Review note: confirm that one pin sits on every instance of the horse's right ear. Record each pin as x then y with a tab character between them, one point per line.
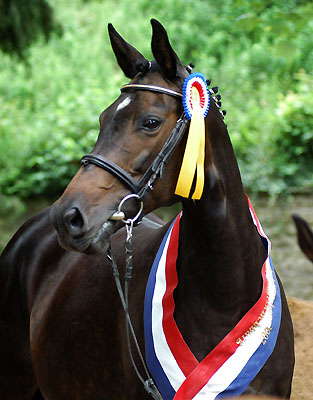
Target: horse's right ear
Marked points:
127	56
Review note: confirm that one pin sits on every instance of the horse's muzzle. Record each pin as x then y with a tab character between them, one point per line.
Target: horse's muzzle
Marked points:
74	233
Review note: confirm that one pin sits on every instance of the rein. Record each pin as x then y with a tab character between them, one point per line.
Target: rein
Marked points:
148	384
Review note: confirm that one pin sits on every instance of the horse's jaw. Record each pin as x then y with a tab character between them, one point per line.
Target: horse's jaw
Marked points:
101	241
98	244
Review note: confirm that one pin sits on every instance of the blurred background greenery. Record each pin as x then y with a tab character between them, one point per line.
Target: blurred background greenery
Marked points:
259	53
58	72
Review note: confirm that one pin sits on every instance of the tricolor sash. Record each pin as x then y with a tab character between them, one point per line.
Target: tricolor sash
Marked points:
230	367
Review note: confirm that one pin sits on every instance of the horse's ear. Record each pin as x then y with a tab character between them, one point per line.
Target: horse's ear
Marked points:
163	51
305	236
128	58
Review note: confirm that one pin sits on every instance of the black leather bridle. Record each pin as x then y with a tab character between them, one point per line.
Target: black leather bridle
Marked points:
138	190
145	184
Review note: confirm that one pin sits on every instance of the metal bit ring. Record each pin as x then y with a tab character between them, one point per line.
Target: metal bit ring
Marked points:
119	214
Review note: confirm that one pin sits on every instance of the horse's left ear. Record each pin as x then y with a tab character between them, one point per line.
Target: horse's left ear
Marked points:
128	58
163	51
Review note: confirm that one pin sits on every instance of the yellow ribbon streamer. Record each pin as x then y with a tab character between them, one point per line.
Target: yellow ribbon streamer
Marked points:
193	160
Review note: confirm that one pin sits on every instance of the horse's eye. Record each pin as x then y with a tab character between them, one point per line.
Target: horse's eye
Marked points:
151	124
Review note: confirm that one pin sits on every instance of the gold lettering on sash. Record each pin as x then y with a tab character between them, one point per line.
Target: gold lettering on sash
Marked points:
265	334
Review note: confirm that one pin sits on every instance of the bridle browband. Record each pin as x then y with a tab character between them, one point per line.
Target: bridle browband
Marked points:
152	88
145	184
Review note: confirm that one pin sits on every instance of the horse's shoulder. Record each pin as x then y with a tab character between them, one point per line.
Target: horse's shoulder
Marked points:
13	264
30	249
36	227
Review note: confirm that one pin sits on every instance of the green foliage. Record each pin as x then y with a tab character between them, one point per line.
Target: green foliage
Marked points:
21	22
296	121
258	52
294	137
281	161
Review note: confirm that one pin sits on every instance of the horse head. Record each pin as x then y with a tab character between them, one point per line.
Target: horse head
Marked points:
134	130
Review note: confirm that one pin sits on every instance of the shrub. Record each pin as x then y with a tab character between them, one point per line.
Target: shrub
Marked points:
294	133
49	108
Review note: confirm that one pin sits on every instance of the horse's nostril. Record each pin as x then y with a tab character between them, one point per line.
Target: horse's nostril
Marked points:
74	222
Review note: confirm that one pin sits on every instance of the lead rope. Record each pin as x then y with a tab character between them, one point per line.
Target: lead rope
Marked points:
148	384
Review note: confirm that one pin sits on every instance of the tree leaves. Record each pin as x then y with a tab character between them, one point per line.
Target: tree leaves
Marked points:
22	22
286	49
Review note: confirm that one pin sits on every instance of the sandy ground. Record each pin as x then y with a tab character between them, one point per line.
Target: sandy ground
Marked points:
302	317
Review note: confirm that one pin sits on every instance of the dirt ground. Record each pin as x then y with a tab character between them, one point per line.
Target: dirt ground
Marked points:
302	317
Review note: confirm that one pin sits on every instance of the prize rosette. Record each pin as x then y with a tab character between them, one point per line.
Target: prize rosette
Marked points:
195	89
196	102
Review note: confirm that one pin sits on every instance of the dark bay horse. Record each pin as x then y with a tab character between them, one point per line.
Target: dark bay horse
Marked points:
62	326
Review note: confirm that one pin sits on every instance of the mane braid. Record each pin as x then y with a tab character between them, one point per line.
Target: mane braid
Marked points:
216	97
143	65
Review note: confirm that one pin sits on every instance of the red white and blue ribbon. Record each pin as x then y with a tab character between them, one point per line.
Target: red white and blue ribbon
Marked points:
230	367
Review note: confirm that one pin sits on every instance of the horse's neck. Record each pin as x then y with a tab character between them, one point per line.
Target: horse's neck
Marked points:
220	251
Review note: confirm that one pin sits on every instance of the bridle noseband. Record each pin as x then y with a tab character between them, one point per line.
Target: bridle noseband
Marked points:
145	184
